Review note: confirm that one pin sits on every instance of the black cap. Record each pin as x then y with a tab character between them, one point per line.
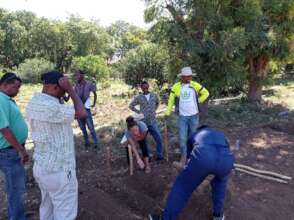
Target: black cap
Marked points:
9	77
51	77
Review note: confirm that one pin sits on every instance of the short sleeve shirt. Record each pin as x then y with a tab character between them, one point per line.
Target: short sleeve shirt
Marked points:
188	105
11	117
142	128
84	89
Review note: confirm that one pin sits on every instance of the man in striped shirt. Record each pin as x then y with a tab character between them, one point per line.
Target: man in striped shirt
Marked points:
54	154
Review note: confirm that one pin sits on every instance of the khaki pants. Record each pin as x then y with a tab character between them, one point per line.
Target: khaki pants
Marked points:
59	194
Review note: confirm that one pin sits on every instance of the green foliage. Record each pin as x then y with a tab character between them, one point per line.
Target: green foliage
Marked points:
24	36
30	71
145	62
228	43
1	71
94	66
88	38
126	37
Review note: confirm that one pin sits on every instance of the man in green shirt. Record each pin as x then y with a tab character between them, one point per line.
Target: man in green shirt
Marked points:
13	135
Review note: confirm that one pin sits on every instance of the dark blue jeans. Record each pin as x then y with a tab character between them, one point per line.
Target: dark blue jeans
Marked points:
14	173
204	160
88	122
155	133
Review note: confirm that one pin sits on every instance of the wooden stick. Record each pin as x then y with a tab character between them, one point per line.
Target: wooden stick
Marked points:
131	160
165	141
108	162
261	176
262	171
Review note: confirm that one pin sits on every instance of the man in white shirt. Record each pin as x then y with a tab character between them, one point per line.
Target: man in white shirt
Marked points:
54	154
186	96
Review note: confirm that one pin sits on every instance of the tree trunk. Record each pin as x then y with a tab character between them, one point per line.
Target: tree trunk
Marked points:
257	73
255	91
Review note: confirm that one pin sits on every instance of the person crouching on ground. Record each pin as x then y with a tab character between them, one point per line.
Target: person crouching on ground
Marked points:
136	134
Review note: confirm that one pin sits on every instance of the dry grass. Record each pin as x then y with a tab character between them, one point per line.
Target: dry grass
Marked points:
112	105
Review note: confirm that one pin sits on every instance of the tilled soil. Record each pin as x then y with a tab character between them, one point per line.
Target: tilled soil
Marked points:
125	197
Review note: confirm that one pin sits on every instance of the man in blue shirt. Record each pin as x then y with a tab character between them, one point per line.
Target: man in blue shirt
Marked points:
13	135
208	154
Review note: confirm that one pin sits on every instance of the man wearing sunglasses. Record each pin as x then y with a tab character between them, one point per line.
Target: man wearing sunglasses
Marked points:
13	135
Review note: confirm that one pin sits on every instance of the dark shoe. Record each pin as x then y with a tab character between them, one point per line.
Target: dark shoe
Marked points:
29	214
219	218
96	146
154	217
159	158
87	146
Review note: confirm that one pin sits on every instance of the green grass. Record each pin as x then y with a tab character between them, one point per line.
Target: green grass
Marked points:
283	94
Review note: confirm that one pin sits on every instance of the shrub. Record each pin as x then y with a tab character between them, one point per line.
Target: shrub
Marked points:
94	66
145	62
30	71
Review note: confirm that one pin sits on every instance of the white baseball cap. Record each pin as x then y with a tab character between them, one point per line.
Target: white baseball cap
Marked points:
186	71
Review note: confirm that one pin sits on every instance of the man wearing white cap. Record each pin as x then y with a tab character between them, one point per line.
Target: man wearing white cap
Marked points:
186	96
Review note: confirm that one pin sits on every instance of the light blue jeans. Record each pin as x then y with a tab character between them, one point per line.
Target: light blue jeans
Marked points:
14	173
187	126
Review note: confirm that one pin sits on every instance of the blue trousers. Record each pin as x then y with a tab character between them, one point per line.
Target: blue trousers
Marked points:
14	173
155	133
88	122
187	125
204	160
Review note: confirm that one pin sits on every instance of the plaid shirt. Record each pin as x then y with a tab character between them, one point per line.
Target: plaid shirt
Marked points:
52	133
147	108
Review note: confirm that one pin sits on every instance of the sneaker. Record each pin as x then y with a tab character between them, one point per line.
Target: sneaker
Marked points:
219	218
29	214
154	217
96	146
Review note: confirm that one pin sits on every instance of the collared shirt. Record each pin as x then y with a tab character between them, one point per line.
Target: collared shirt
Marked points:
147	107
83	90
52	133
11	117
